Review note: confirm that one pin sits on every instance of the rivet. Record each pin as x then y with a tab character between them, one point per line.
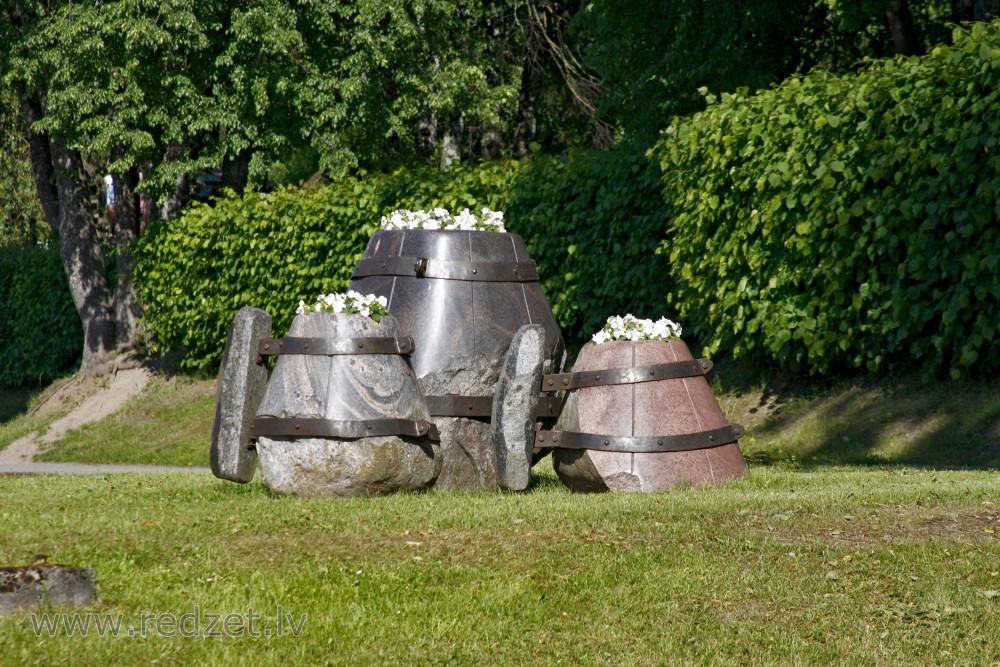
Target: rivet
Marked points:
298	426
550	383
555	438
659	442
541	438
607	442
652	372
711	438
281	344
598	377
266	346
369	427
474	271
306	346
361	345
704	364
469	406
565	382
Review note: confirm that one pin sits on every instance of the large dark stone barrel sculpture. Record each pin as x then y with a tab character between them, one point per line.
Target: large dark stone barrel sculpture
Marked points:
342	413
461	295
640	417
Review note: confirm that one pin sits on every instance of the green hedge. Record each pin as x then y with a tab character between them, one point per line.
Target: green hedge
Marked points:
39	326
846	222
591	220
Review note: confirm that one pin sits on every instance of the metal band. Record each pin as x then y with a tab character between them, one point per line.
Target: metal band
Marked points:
335	346
331	428
679	369
482	406
422	267
460	406
637	444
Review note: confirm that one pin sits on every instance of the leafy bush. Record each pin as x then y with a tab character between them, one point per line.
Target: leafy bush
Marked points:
38	323
591	221
846	222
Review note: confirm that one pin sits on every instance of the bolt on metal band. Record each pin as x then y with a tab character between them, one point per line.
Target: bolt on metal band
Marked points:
332	428
611	376
482	406
640	444
335	346
423	267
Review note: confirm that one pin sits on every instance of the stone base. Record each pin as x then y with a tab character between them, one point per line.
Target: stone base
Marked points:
325	467
469	460
41	585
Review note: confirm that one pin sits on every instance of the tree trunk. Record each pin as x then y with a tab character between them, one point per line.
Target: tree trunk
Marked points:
236	171
451	141
127	223
81	257
527	108
171	208
904	34
41	159
426	140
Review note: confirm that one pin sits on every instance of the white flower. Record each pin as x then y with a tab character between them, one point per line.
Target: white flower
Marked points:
367	305
632	328
440	218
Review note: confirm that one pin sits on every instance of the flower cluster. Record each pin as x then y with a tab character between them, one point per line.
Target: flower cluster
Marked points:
632	328
353	303
439	218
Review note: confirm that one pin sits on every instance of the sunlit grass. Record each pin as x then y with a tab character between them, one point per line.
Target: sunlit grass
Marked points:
839	566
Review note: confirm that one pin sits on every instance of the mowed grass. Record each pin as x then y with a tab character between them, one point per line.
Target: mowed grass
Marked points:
832	566
169	423
805	561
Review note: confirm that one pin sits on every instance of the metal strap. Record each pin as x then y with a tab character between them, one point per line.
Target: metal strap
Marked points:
335	346
332	428
679	369
637	444
460	406
422	267
482	406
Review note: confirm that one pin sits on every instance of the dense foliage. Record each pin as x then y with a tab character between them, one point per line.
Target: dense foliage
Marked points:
38	323
591	221
846	222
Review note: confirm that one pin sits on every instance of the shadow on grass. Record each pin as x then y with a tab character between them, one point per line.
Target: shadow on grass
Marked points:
900	421
15	402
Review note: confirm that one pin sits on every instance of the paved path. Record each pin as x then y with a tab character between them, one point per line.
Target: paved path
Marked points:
87	469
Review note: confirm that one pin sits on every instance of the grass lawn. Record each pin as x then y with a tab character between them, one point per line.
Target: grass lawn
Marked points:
170	423
846	566
866	532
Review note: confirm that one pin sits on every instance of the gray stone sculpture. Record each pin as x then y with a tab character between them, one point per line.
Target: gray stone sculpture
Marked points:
345	388
241	387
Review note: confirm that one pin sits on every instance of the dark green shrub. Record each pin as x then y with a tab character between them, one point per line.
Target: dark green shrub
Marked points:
846	222
592	221
39	325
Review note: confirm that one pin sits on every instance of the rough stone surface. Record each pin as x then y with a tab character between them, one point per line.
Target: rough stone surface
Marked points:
467	452
468	376
241	387
346	388
468	457
328	467
663	407
515	407
42	585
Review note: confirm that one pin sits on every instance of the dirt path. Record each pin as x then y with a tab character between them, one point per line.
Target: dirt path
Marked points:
124	385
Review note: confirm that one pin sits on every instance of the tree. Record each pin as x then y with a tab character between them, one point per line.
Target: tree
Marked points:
173	87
